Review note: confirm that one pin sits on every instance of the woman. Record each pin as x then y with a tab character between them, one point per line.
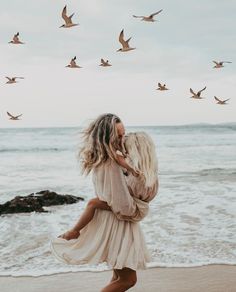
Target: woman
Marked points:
120	243
140	169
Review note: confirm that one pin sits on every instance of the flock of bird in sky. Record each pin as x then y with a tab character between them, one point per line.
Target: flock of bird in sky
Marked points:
105	63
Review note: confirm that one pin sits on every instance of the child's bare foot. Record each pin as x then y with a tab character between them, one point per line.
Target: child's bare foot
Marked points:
70	234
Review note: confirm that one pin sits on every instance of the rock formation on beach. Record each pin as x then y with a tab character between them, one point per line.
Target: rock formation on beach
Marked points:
36	201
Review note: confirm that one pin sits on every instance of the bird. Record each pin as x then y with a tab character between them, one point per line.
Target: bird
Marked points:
15	118
162	87
149	18
220	64
105	63
198	94
73	63
67	19
12	80
16	40
125	44
219	101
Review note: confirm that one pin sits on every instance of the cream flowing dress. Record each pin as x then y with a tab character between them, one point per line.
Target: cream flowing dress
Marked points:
113	237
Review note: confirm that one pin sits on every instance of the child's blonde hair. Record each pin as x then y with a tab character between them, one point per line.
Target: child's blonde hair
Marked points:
141	152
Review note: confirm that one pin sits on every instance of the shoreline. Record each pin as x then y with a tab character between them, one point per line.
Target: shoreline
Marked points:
210	278
107	269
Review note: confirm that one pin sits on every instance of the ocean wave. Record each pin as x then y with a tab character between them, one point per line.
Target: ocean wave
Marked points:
202	172
190	224
217	171
164	129
33	149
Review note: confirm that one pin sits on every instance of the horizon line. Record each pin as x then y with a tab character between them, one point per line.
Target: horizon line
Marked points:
131	126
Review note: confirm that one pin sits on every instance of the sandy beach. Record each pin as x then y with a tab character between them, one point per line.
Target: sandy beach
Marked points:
212	278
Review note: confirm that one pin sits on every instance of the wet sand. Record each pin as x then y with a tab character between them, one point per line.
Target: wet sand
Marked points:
212	278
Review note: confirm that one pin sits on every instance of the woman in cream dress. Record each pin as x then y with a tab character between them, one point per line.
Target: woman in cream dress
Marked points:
112	237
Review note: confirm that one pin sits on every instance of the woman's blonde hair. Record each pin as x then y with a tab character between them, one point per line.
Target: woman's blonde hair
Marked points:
142	154
99	142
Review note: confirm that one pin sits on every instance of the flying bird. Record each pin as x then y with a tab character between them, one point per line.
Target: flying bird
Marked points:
67	19
12	80
125	44
198	94
149	18
162	87
220	101
15	118
16	40
105	63
220	64
73	63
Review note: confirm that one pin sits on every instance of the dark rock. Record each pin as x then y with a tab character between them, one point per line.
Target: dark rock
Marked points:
48	198
35	202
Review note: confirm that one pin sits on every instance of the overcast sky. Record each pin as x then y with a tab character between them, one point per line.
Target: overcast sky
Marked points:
177	50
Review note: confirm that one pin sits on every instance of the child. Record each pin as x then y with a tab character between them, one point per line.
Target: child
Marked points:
141	167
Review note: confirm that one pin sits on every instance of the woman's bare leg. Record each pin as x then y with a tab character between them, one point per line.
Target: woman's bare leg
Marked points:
114	276
127	278
85	218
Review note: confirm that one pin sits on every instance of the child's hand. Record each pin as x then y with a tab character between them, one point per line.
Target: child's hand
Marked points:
135	173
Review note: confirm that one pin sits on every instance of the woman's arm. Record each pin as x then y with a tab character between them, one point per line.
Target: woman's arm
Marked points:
110	186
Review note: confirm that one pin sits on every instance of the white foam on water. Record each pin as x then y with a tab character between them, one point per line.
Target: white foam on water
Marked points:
191	222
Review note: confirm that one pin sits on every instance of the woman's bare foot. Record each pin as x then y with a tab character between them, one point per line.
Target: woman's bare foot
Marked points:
70	234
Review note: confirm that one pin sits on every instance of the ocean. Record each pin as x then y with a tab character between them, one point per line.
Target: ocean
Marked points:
191	222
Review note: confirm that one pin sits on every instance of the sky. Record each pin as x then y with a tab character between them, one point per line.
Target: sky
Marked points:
178	50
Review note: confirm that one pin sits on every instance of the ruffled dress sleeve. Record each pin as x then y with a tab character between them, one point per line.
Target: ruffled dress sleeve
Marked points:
110	186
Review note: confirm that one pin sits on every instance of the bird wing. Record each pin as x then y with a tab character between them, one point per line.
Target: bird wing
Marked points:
159	84
127	41
18	116
8	78
226	62
72	62
200	91
136	16
65	17
216	98
10	115
102	61
71	15
215	62
156	13
226	99
63	14
15	38
19	77
192	91
121	38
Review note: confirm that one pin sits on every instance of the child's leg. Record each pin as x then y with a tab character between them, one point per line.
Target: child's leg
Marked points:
85	218
88	214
